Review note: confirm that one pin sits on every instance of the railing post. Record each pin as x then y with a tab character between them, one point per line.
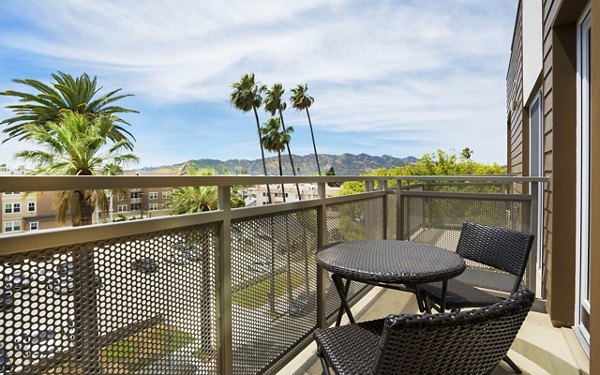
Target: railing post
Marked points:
384	187
321	241
369	215
223	284
533	228
399	212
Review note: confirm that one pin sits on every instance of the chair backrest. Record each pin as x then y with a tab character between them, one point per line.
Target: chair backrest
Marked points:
467	342
504	249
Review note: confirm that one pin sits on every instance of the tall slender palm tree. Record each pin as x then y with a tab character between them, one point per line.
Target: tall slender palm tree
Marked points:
274	139
247	96
302	101
77	146
66	93
273	104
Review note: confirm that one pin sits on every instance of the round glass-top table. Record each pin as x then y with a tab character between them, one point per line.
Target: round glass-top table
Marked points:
381	262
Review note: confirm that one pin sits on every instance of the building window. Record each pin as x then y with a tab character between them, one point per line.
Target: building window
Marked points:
12	226
264	194
33	225
30	206
12	208
153	207
122	208
166	206
165	194
136	194
136	207
12	193
153	195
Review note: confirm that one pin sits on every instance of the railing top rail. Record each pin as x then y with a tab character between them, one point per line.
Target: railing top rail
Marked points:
53	183
50	183
488	178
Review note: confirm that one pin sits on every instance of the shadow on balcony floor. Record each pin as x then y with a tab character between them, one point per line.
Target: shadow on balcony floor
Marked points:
539	348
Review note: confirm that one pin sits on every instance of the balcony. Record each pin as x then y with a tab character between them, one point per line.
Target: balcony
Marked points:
232	291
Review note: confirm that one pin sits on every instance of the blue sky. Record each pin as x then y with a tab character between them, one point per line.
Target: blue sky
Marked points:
388	77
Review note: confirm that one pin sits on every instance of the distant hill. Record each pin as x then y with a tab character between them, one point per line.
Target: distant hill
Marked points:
345	164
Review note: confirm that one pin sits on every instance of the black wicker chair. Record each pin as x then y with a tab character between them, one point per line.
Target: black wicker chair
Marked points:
503	249
467	342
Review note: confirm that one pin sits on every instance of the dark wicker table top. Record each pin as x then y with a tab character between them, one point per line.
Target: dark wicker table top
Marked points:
390	261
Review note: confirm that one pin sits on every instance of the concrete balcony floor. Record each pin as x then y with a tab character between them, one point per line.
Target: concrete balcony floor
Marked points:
539	347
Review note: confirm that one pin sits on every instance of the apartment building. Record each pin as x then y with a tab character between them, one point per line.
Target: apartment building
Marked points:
139	203
24	212
552	130
289	193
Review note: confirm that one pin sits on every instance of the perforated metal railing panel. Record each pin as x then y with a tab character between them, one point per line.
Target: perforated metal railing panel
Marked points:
346	222
141	304
438	221
274	300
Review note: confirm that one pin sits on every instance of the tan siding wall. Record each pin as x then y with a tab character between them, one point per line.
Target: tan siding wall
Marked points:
559	146
514	93
549	9
560	127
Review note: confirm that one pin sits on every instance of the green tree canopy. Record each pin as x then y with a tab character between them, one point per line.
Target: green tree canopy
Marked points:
66	93
434	164
77	146
193	199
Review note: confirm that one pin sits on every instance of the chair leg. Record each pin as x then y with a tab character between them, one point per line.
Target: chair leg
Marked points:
324	363
512	365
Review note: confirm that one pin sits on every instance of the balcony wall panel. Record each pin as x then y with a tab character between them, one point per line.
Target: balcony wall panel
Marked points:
120	304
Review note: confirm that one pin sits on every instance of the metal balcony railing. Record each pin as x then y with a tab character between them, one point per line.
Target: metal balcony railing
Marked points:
232	291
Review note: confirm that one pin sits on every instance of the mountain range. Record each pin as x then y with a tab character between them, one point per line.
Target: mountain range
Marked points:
343	165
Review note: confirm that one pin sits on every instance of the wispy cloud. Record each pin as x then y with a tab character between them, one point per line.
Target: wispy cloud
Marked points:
420	69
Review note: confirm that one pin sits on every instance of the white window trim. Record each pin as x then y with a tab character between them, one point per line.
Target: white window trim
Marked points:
153	195
34	206
11	224
11	208
37	225
583	160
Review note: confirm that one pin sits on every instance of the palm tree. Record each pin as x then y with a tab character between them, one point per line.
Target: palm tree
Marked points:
274	139
247	96
77	146
65	94
192	199
273	105
302	101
